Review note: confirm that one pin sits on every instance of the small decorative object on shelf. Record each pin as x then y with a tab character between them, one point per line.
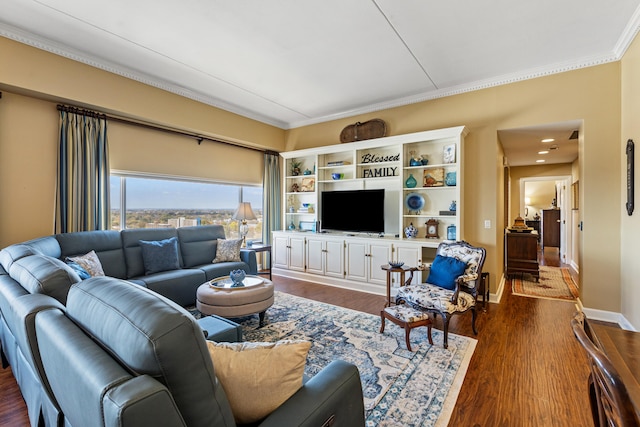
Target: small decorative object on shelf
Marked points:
410	232
292	226
414	203
295	187
414	160
296	165
306	172
424	160
432	229
452	206
237	276
451	232
336	176
450	179
434	177
410	182
449	154
308	184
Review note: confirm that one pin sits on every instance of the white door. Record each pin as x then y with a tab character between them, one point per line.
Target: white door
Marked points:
357	256
280	249
315	256
334	258
379	255
296	253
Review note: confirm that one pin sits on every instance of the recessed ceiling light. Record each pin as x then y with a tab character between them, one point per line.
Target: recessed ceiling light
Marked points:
548	140
543	152
540	161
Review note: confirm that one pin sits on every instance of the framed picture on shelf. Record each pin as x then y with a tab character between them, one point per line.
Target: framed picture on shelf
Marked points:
449	153
433	177
308	184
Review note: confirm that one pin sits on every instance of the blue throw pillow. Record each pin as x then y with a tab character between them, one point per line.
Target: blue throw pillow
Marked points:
445	270
84	274
160	255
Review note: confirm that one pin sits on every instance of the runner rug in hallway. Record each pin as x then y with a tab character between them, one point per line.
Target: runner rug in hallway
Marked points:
401	388
555	283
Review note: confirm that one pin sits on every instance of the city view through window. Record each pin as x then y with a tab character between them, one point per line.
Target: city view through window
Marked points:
164	203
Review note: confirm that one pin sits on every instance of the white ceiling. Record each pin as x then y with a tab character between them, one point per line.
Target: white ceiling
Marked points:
291	63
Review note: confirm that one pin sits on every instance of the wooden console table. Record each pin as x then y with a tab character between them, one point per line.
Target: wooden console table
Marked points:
622	348
522	253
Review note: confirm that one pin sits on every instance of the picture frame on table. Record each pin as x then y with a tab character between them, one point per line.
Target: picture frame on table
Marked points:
433	177
449	154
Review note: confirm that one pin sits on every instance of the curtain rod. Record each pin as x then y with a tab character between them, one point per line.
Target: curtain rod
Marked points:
151	126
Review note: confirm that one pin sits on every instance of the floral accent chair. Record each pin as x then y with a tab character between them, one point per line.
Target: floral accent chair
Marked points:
452	285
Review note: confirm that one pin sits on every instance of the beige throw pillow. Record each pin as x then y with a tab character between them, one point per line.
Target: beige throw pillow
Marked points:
258	377
89	262
228	250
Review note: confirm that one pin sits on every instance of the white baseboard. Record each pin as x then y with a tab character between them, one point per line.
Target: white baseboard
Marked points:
608	316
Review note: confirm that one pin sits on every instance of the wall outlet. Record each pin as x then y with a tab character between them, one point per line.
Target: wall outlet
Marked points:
487	223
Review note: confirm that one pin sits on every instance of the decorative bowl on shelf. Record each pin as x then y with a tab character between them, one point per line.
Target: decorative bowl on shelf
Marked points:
337	176
414	202
396	264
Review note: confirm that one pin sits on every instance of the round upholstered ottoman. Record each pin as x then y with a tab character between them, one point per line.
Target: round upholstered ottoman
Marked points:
217	297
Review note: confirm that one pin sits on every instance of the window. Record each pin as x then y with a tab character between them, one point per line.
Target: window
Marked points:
143	202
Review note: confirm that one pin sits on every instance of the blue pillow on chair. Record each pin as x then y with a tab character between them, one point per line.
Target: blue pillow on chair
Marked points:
160	255
445	270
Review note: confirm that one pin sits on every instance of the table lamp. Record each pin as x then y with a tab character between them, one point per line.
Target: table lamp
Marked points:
243	213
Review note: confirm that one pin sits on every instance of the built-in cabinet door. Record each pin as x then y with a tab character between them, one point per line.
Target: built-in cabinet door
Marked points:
412	257
280	250
296	253
379	255
334	258
315	256
356	261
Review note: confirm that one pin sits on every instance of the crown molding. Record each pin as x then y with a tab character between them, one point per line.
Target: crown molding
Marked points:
50	46
30	39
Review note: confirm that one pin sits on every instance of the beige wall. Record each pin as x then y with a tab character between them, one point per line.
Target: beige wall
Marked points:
630	225
519	172
33	82
591	94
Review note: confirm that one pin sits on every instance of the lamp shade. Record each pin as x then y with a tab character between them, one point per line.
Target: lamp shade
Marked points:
244	212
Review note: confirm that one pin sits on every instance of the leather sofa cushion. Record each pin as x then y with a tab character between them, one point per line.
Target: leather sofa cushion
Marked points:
41	274
12	253
198	244
106	244
178	285
131	245
153	336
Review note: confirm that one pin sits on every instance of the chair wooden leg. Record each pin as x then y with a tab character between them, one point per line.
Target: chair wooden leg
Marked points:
473	319
382	321
407	331
445	330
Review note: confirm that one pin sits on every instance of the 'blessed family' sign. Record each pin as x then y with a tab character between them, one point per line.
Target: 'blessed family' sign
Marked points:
381	171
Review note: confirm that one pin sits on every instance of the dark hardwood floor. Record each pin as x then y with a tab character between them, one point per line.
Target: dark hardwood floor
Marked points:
527	369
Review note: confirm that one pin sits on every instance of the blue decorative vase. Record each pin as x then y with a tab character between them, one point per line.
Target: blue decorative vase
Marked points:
415	162
450	179
410	182
237	276
292	226
451	232
453	207
410	231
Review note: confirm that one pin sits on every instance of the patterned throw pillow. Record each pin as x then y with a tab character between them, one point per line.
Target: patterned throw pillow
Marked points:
228	250
272	371
84	274
90	263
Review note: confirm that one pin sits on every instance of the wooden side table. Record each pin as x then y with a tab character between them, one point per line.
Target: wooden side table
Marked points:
259	247
401	270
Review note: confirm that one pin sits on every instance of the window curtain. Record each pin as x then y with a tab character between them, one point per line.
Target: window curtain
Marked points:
82	198
271	196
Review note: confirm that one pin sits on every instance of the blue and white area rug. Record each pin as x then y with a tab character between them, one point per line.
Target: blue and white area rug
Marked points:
401	388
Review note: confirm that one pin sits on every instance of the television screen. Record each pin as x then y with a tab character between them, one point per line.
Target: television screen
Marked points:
353	210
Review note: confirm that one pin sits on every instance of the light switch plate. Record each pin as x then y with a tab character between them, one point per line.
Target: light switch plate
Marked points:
487	223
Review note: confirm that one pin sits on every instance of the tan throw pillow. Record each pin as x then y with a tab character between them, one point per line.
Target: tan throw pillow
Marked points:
90	263
228	250
258	377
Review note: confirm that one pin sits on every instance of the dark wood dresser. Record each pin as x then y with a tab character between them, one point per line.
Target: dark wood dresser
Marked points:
522	253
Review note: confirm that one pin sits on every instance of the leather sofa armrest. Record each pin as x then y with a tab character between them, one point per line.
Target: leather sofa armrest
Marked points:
249	256
141	401
332	397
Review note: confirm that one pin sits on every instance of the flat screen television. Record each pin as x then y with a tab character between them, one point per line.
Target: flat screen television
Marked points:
352	210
